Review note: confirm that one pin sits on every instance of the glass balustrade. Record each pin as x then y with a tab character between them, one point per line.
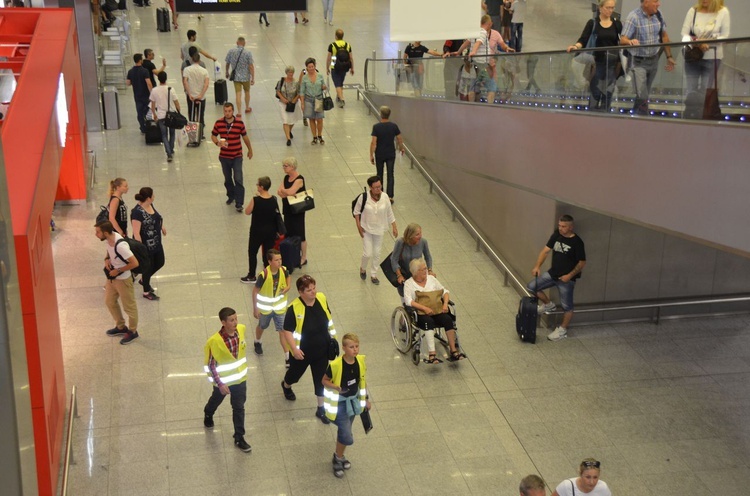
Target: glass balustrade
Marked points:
590	80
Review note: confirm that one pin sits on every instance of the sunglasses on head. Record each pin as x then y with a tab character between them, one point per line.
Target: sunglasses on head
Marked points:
592	464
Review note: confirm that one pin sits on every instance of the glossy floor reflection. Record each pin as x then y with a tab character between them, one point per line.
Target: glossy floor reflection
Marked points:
664	408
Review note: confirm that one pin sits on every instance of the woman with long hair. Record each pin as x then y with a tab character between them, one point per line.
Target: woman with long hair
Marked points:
148	228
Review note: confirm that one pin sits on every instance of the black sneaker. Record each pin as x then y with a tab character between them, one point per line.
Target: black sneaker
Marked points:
362	275
151	296
321	414
116	331
208	420
129	337
229	201
169	158
288	393
258	348
238	208
248	279
242	444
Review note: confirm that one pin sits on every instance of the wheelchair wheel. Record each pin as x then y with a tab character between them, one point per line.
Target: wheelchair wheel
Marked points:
415	356
401	329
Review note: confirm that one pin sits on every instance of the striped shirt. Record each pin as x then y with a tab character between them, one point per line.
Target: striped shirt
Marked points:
233	344
646	29
230	131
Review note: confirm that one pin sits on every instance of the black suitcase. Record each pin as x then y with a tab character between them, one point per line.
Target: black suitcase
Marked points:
220	92
153	133
291	252
526	319
162	20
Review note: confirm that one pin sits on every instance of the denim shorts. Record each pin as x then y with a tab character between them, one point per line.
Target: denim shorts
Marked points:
545	281
265	321
344	424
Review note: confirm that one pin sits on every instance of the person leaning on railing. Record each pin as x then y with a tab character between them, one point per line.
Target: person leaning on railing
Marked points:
706	20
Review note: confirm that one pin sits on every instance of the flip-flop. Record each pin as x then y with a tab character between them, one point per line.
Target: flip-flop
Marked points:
248	110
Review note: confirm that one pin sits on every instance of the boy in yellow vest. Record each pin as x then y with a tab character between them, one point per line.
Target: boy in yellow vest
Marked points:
226	366
345	397
270	301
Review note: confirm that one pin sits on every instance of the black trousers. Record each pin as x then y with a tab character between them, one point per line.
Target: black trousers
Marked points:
157	262
237	396
386	165
255	243
318	366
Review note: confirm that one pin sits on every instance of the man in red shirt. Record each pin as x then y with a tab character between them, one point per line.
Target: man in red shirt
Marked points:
226	135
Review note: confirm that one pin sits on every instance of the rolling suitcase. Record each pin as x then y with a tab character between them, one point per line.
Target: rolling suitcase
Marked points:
220	91
291	252
194	128
162	20
153	133
526	319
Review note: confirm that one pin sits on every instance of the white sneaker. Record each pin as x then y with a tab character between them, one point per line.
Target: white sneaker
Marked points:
545	307
558	334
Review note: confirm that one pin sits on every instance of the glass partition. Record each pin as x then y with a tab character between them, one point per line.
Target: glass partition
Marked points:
592	80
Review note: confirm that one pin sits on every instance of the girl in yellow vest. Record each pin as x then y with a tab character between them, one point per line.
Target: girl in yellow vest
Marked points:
346	397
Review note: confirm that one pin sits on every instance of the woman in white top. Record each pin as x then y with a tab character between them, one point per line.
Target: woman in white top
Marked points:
587	483
428	318
706	20
373	216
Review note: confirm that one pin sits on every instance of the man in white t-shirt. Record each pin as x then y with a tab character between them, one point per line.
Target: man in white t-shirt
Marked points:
373	217
160	105
196	82
518	9
117	266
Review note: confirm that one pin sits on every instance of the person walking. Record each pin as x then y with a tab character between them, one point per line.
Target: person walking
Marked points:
328	11
118	263
226	135
383	150
311	89
138	78
226	366
196	83
148	228
339	61
164	99
240	69
270	301
373	216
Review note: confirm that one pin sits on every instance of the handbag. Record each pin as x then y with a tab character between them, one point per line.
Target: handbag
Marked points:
291	106
318	105
301	202
693	53
430	299
174	119
333	349
387	268
280	226
327	100
587	58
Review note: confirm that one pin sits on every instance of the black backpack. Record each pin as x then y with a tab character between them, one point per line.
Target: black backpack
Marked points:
103	214
356	199
343	60
139	251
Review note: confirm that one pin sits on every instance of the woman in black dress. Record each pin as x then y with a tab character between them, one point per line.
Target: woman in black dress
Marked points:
263	228
148	228
293	184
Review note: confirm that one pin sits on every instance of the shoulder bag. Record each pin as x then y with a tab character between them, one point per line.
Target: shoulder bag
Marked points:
327	100
431	299
587	58
174	119
387	268
280	226
333	349
234	67
693	53
301	202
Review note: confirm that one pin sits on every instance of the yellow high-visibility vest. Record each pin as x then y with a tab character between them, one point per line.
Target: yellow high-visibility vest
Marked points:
298	306
231	370
332	396
266	301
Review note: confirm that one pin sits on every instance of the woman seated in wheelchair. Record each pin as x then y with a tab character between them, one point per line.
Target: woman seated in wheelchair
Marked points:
429	298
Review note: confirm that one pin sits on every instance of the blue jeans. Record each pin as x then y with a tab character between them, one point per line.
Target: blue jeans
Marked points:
344	423
387	164
232	169
644	73
700	75
516	35
141	109
328	10
545	281
167	137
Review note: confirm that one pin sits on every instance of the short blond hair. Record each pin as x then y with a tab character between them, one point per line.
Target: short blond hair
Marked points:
350	336
291	162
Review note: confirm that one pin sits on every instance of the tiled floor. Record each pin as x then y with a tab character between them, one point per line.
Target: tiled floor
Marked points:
664	407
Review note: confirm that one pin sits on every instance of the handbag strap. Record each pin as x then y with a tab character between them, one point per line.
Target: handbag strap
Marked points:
239	54
573	485
692	27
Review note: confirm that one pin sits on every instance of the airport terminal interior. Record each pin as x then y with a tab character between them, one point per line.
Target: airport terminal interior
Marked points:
664	408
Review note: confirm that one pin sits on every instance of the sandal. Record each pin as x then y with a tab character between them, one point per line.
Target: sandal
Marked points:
456	356
321	140
314	141
432	359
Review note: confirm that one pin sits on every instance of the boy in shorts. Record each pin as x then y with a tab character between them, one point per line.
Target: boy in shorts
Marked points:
269	299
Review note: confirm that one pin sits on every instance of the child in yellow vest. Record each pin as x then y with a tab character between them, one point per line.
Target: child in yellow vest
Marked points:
345	397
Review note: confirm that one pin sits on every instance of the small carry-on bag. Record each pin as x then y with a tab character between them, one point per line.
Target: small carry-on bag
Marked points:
162	20
153	133
291	252
526	319
220	91
194	128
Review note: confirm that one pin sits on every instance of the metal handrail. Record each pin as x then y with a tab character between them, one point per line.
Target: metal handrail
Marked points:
73	409
481	242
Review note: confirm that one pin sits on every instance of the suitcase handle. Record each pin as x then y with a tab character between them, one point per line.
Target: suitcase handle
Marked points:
196	110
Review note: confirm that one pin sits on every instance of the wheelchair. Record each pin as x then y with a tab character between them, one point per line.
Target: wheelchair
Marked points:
407	335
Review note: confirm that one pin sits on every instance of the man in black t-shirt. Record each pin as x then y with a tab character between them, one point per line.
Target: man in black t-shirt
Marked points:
568	260
139	80
382	149
148	63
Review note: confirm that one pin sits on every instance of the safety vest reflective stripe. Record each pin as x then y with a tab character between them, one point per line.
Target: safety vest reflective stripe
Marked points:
271	308
265	301
227	366
229	378
270	299
332	396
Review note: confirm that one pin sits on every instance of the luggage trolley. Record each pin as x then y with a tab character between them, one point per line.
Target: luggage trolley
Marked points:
407	335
